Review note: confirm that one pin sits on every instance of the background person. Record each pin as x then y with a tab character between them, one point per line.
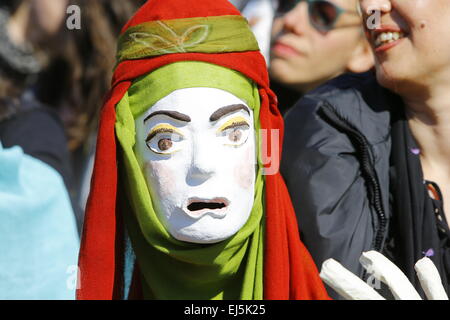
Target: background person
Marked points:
38	234
77	79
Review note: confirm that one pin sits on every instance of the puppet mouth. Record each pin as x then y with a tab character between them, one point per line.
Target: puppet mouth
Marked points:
199	207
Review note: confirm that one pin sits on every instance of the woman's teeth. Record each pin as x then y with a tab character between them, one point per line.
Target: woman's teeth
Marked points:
387	37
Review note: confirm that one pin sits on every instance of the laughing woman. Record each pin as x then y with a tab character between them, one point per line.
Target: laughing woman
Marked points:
198	218
371	168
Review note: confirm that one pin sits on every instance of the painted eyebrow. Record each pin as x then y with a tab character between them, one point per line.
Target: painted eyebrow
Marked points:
233	123
173	114
227	110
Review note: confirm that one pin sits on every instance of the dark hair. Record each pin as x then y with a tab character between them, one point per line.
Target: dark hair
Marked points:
79	77
12	83
9	97
11	5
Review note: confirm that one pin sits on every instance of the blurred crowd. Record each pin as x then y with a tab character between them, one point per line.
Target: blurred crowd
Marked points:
52	82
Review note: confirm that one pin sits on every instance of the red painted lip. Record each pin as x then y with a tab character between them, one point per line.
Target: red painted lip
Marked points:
284	50
386	28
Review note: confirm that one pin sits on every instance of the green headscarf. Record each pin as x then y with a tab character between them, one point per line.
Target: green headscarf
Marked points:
172	269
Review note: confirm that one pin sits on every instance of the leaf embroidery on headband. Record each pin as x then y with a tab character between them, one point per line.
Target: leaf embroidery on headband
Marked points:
172	42
201	35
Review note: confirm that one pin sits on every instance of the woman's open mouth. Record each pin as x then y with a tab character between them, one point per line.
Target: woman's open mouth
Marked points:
198	207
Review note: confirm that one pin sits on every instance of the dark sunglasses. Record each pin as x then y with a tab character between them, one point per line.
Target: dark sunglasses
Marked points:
323	14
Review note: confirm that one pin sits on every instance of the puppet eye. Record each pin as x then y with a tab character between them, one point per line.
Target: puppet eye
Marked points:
235	132
164	140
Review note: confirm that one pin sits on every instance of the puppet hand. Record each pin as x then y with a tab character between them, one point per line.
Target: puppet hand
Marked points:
351	287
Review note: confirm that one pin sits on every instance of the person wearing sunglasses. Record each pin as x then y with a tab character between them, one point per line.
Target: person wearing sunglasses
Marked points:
312	42
370	167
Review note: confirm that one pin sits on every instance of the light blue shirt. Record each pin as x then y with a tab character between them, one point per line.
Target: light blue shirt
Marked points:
39	243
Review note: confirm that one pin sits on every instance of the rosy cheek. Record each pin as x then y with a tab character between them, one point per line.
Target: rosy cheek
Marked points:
161	177
244	173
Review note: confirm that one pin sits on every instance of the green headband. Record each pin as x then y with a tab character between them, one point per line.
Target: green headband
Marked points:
202	35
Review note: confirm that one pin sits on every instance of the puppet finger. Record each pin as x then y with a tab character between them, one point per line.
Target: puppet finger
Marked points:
387	272
345	283
430	279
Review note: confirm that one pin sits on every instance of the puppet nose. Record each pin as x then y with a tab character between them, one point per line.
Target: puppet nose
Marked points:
203	164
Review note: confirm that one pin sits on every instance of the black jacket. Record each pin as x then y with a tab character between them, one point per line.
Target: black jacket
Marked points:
336	166
40	133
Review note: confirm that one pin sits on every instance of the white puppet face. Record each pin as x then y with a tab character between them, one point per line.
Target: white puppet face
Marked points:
197	149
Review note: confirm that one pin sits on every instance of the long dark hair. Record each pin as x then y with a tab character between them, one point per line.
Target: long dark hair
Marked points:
10	5
11	87
80	75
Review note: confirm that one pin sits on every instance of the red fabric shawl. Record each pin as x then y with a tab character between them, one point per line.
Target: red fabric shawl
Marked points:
289	271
